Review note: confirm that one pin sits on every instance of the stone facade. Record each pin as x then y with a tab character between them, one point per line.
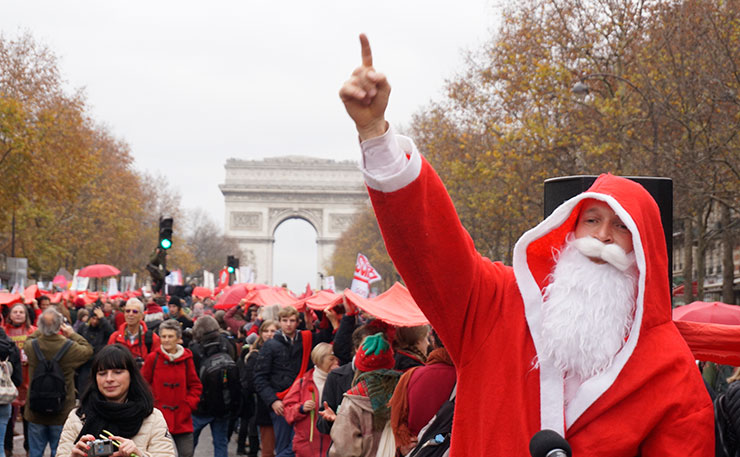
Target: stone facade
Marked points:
259	195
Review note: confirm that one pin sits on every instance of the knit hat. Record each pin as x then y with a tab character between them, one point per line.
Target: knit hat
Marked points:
375	353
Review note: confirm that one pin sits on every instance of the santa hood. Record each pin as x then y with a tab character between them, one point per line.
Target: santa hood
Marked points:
533	262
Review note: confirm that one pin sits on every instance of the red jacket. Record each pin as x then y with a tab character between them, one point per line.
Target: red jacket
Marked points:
175	386
138	348
651	401
299	393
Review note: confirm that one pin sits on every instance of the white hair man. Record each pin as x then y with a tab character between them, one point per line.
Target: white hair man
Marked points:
575	337
52	337
134	334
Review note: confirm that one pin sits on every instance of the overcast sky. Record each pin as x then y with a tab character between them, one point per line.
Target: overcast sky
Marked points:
191	84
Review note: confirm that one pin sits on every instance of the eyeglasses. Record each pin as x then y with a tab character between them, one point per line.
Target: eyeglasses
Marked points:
134	311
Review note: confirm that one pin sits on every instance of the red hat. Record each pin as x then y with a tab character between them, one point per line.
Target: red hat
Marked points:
375	353
153	308
79	302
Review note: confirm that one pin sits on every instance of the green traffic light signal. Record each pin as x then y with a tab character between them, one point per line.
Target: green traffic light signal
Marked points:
230	269
165	243
165	232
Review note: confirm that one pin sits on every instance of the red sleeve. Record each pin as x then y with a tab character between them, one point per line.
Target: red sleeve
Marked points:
195	388
458	291
293	402
112	339
147	371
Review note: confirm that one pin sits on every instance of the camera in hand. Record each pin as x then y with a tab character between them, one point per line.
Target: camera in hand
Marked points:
100	448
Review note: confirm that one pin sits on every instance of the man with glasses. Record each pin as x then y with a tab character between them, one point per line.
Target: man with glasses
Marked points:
133	333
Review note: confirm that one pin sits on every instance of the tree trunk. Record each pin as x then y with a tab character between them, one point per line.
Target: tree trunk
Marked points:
728	266
701	255
688	276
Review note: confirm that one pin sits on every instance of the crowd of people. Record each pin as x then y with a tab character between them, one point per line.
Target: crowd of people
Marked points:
278	381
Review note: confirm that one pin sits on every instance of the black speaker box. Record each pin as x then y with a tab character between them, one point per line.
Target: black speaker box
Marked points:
558	190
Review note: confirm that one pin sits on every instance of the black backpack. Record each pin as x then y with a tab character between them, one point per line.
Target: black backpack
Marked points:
435	440
48	389
220	378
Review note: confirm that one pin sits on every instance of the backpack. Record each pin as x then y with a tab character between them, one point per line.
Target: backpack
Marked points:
434	440
48	389
220	378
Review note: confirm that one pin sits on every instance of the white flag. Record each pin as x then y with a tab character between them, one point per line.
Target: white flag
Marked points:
365	274
329	284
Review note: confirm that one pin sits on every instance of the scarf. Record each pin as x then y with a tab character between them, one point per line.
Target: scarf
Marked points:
399	403
319	378
380	385
179	351
121	419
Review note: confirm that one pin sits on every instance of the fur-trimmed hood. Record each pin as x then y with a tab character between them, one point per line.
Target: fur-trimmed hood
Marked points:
533	262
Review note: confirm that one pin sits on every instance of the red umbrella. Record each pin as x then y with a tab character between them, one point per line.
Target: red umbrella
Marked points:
60	281
233	294
709	313
99	270
202	292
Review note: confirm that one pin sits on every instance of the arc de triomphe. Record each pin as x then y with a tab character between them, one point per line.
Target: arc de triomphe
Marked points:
259	195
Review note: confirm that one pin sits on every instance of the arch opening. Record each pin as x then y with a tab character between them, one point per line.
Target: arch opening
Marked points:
295	254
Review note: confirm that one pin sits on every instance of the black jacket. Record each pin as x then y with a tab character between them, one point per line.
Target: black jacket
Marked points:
97	336
337	383
279	362
200	353
9	351
343	339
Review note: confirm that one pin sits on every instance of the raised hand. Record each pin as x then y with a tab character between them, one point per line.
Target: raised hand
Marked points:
327	413
365	95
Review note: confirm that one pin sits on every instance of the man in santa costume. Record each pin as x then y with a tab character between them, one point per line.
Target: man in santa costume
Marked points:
576	337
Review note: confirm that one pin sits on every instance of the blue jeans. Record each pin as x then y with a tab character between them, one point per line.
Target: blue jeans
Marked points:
283	436
5	413
219	430
41	435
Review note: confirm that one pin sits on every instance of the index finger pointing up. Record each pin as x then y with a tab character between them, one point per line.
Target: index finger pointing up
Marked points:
367	54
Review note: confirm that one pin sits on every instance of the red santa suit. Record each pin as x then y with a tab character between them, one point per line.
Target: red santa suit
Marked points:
649	402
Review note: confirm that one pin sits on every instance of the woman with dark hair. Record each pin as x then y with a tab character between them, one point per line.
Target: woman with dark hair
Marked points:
121	402
410	346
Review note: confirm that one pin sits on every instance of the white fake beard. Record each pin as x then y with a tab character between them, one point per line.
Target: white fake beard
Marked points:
587	312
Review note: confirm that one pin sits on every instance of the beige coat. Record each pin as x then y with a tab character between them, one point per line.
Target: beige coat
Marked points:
352	433
153	439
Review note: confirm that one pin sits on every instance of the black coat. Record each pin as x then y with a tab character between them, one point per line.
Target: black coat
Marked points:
97	336
9	351
279	363
343	339
337	383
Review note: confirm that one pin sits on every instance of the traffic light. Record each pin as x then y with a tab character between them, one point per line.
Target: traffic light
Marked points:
232	263
165	232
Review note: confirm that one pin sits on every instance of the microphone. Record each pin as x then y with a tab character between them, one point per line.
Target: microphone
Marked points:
548	443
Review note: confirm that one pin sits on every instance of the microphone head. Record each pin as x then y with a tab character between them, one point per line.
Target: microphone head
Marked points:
545	441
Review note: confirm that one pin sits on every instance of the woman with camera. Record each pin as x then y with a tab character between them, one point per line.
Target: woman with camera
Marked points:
118	401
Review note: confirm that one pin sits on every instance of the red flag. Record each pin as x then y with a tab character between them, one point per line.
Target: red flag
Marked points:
223	278
365	274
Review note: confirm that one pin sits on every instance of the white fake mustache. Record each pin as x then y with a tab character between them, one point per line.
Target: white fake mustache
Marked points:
610	253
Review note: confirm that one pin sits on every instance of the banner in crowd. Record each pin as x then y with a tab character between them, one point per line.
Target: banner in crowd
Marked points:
329	284
174	278
365	275
208	280
223	279
79	282
112	286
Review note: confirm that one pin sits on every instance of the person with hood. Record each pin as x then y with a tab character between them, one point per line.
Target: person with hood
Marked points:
571	332
302	403
134	334
362	422
175	385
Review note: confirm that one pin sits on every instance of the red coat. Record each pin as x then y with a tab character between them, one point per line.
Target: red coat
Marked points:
651	401
298	394
175	386
138	348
